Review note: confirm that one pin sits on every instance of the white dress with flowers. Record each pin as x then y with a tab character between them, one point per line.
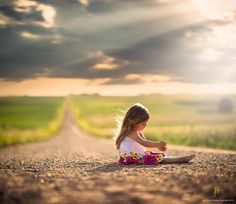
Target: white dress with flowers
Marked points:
129	145
131	152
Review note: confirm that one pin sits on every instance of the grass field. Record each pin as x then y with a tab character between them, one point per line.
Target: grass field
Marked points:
192	120
26	119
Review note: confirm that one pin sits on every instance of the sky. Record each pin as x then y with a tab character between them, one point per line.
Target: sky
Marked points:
111	47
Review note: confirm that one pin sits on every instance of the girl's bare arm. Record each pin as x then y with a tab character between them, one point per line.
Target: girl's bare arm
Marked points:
148	143
142	135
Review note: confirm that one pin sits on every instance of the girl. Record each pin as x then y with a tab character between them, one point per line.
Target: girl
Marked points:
132	143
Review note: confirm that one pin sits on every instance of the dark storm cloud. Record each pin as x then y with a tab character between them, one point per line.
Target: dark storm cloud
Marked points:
98	6
23	58
127	31
8	10
30	58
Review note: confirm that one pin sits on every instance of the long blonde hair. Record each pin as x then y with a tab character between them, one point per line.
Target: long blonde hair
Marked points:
137	113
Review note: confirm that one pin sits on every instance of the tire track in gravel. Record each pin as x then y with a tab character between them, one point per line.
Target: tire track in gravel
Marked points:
76	168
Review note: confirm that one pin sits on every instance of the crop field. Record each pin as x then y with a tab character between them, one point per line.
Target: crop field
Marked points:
26	119
192	120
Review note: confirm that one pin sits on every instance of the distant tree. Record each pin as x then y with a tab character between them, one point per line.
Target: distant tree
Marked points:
226	105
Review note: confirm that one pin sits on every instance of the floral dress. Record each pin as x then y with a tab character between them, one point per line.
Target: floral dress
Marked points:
131	152
148	158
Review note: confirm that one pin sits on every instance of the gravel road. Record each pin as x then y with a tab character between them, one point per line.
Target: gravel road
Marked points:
73	167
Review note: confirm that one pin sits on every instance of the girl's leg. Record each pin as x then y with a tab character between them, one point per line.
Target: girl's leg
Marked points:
178	159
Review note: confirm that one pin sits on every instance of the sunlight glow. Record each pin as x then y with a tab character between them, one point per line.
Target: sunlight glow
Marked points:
48	12
210	54
25	3
4	20
106	63
44	86
217	9
26	34
148	77
84	2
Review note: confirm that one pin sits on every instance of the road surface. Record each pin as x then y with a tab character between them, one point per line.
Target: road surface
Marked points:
73	167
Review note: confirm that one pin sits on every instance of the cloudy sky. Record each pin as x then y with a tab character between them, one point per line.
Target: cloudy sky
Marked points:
117	47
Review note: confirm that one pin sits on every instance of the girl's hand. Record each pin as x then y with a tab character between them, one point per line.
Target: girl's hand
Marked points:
162	146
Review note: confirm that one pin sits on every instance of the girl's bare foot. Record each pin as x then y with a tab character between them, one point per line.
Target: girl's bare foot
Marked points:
178	159
188	158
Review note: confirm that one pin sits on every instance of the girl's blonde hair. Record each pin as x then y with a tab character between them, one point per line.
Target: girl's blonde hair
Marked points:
137	113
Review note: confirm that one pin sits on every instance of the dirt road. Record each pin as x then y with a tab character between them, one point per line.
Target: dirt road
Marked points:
75	168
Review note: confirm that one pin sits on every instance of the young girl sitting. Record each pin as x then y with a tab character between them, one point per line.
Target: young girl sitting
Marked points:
132	143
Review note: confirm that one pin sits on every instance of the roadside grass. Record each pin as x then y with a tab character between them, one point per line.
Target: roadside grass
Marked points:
29	119
192	120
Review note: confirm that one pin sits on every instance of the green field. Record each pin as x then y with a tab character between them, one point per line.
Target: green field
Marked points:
26	119
192	120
